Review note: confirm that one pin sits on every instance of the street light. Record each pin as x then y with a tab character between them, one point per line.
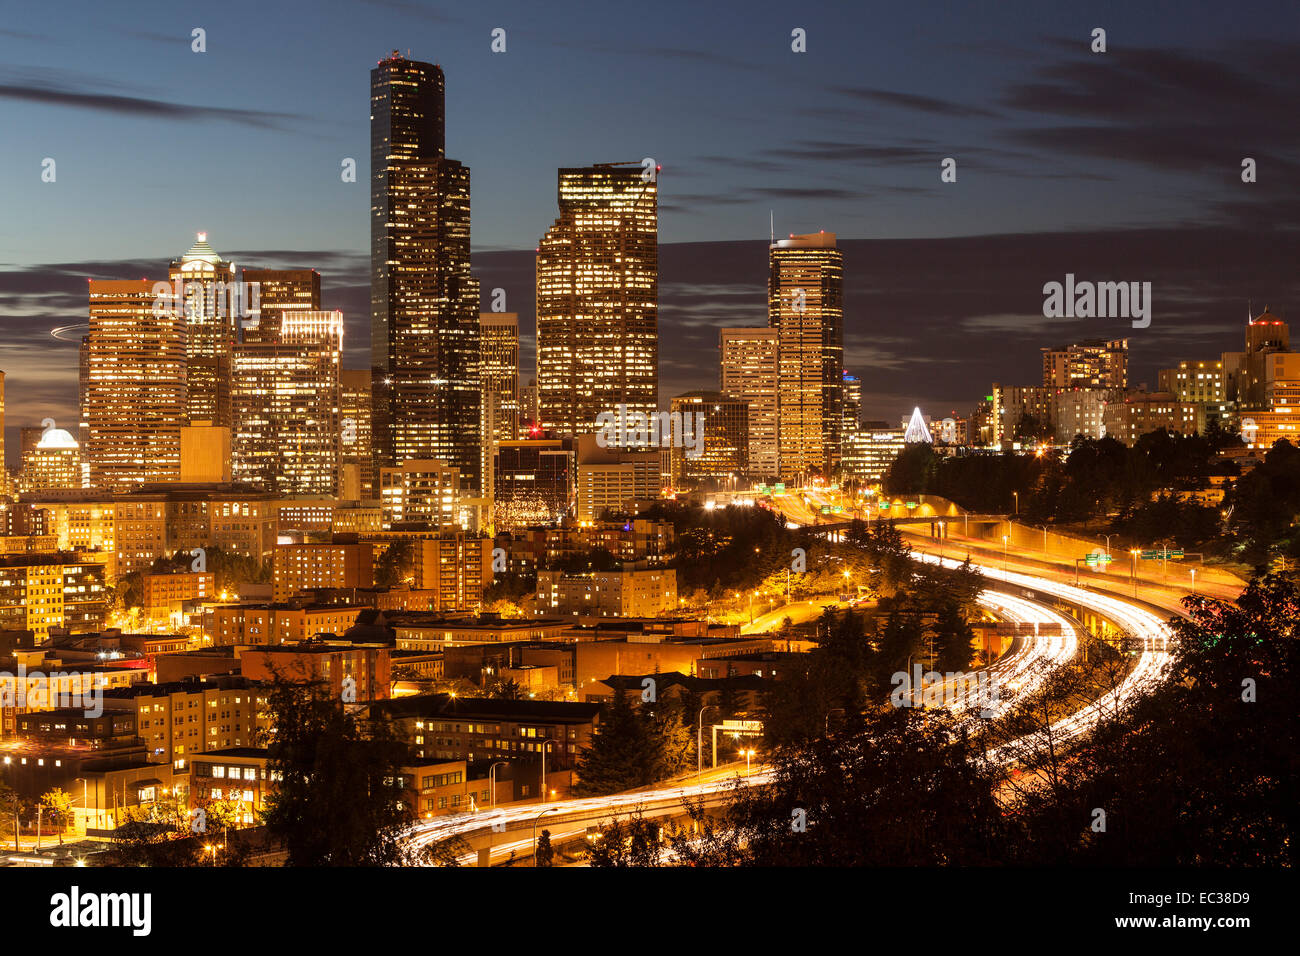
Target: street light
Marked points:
1193	570
548	740
1044	527
535	819
492	778
749	752
699	742
1017	494
1004	552
1135	553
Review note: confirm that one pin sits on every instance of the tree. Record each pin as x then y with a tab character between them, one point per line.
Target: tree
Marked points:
338	795
506	690
635	842
544	855
953	639
396	563
58	808
625	753
10	806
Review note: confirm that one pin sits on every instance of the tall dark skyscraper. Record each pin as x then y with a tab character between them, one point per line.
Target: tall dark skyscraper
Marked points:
424	303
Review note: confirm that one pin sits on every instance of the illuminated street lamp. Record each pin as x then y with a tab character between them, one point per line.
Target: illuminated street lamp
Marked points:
1193	582
1004	552
535	819
1135	553
749	753
492	779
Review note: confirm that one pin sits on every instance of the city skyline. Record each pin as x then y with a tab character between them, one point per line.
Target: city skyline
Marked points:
1230	229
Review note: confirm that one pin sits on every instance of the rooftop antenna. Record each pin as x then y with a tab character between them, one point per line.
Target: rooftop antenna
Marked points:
772	226
1250	312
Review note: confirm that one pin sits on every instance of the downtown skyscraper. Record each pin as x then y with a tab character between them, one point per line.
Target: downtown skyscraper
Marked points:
805	300
598	298
135	395
424	303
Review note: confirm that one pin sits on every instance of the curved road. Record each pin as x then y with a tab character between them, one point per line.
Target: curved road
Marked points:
510	829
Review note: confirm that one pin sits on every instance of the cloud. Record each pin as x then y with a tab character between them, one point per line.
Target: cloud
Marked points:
913	102
34	89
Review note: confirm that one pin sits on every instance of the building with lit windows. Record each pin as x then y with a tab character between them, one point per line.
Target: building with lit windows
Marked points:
136	385
328	662
424	302
724	455
256	623
1203	384
1096	363
455	568
597	298
629	592
177	720
39	591
1014	404
609	479
1138	413
425	494
209	306
871	450
286	399
279	292
749	371
805	294
533	482
53	462
302	567
356	448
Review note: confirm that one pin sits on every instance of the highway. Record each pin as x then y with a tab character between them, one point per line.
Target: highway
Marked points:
511	828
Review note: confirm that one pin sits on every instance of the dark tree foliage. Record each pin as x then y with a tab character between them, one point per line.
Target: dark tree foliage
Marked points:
338	798
626	752
898	789
635	841
395	563
544	854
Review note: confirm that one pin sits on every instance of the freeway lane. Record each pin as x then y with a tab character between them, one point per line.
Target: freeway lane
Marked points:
568	817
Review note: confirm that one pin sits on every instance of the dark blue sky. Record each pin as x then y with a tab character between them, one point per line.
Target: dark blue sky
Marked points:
1141	145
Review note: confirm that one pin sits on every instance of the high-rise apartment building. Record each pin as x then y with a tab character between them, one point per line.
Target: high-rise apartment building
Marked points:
750	371
597	299
53	462
278	291
533	479
286	406
135	385
1096	363
424	303
805	295
208	306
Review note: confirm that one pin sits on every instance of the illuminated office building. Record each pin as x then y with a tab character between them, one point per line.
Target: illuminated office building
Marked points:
533	480
135	385
279	291
749	371
4	475
597	299
53	462
499	379
356	451
424	303
723	452
806	307
210	306
286	406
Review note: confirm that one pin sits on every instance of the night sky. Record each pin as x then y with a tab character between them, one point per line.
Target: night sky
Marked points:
1117	166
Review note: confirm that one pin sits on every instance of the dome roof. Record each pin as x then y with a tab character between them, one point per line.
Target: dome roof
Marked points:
56	439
